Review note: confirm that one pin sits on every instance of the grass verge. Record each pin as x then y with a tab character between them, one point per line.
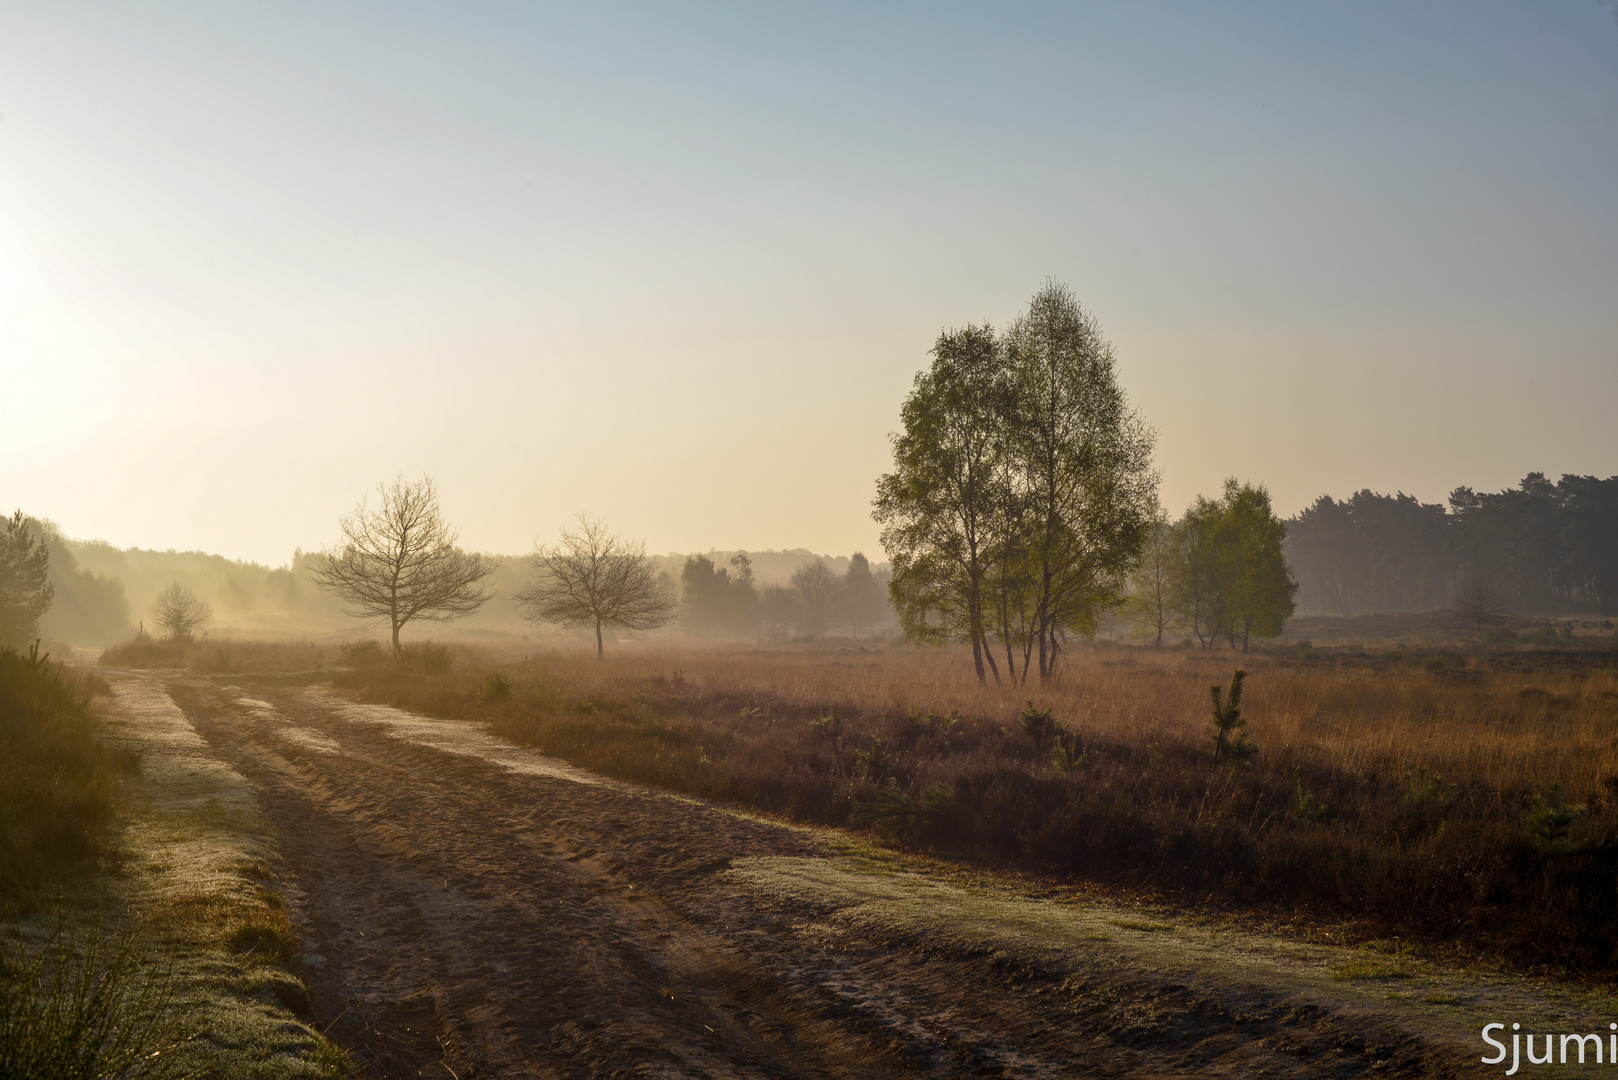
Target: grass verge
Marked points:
141	933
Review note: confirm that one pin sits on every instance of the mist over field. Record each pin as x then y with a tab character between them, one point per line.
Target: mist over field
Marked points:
900	540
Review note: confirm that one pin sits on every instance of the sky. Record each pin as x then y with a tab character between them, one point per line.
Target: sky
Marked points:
676	265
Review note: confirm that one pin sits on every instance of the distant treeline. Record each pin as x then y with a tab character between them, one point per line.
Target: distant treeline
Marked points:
1538	549
103	593
727	601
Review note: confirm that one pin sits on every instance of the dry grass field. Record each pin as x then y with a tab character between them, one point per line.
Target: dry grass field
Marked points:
1463	796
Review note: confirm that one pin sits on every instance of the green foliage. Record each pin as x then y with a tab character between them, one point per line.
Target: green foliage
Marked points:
1538	547
895	814
1549	823
1021	492
86	1008
25	587
1151	605
1306	809
1068	754
1040	726
939	505
1231	742
876	762
827	725
1230	578
1051	740
862	594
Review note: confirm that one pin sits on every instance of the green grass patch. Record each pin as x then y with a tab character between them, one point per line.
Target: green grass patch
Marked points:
1369	969
1143	925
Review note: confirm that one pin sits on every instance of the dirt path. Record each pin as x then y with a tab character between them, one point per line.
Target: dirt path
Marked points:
471	909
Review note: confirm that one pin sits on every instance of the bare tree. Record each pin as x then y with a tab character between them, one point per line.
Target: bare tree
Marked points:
818	590
400	561
1477	604
595	578
180	611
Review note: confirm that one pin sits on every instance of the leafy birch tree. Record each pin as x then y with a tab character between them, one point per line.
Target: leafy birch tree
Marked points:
937	506
1081	464
1022	489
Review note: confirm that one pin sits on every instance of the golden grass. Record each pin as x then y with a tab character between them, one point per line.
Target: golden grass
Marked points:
1516	722
1446	795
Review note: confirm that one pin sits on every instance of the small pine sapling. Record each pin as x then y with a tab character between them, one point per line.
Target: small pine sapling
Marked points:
1306	809
830	728
876	762
1068	753
1231	742
1550	823
1040	726
895	814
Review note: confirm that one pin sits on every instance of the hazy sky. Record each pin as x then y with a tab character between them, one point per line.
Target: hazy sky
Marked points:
676	265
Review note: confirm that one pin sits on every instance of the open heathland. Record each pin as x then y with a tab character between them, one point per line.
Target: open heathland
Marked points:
1464	796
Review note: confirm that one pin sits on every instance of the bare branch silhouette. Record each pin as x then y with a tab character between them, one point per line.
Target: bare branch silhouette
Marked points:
595	578
400	561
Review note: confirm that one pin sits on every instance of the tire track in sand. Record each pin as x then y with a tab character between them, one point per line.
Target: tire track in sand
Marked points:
472	908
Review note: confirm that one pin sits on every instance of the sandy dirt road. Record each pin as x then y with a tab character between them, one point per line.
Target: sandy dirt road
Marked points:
470	909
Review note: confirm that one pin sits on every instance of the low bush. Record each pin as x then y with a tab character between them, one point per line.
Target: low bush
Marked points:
367	652
59	782
425	658
227	656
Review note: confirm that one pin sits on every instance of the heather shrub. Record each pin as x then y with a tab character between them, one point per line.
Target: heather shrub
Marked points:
1465	801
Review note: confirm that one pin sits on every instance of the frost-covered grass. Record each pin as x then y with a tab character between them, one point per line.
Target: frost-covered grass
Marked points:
192	899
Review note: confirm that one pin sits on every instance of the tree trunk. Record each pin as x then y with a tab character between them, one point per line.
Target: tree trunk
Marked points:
396	639
600	652
1005	628
974	619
